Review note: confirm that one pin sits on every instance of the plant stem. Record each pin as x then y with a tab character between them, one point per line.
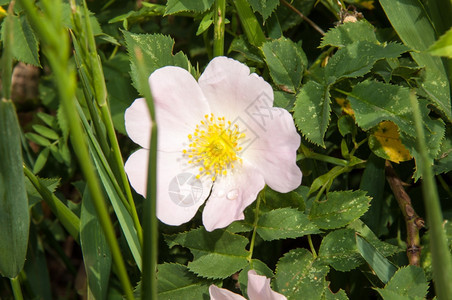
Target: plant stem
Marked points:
309	21
441	257
412	220
17	291
219	22
150	223
311	245
256	220
306	153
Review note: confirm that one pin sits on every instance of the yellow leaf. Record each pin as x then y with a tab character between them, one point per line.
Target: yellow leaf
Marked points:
345	105
385	142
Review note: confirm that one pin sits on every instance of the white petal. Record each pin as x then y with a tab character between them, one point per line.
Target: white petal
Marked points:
179	106
136	168
217	293
273	152
232	91
259	288
230	196
138	122
179	193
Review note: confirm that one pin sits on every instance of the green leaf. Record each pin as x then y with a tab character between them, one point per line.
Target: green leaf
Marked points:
41	160
49	120
374	102
25	45
45	131
42	141
217	254
382	267
34	196
329	295
338	248
96	253
404	17
286	62
408	282
264	7
435	130
14	215
157	53
339	209
347	33
300	276
364	231
443	46
358	58
284	223
177	282
312	111
175	6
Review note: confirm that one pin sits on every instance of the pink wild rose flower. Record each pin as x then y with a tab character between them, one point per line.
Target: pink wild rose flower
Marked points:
218	138
258	289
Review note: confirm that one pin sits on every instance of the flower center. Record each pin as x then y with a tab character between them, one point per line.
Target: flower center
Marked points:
214	146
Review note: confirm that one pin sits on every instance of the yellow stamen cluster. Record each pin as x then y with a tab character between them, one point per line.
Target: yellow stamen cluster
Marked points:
214	146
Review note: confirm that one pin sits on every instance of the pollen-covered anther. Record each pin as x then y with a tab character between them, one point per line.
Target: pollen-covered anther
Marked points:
214	146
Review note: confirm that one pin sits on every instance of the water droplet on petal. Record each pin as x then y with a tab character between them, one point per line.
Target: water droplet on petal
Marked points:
233	194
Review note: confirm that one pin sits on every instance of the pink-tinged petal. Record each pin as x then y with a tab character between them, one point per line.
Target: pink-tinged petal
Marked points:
138	122
230	195
217	293
136	168
179	193
273	152
180	105
259	288
232	91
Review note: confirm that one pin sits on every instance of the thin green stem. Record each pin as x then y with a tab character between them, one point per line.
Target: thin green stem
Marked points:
441	257
106	117
17	291
256	220
306	153
67	218
311	245
150	223
218	31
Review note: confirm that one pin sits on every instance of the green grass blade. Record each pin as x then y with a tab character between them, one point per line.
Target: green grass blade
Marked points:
113	191
441	257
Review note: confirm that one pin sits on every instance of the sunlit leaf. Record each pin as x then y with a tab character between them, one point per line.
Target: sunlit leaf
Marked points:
407	282
348	33
339	209
385	142
300	276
